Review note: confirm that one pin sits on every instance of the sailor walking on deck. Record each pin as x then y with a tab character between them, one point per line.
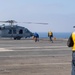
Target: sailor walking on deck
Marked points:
71	43
50	35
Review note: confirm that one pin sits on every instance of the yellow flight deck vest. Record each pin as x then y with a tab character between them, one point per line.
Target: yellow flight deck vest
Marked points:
73	37
49	33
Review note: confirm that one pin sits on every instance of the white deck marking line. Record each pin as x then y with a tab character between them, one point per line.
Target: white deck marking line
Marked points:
4	49
51	63
41	47
45	47
42	50
40	64
14	56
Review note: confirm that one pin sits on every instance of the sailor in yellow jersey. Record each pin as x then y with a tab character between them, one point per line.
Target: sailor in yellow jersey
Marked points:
50	35
71	43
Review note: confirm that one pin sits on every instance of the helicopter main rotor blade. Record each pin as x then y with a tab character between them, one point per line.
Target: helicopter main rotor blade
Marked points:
33	23
3	21
9	21
42	23
13	21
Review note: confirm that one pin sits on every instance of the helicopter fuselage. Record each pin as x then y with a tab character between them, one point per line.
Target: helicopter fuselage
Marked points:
15	31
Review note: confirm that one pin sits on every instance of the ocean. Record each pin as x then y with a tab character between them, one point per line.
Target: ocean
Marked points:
55	34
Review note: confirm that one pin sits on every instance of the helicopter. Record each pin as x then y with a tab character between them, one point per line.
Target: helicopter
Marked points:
15	31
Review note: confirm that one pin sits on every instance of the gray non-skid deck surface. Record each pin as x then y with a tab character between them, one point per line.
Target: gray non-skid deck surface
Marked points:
26	57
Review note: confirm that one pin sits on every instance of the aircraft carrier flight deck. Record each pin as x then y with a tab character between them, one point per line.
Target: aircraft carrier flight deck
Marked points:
27	57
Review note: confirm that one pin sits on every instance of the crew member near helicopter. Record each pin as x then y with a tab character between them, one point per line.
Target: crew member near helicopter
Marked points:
36	37
50	35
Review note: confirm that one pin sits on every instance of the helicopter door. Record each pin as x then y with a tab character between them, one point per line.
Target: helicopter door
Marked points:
12	31
20	31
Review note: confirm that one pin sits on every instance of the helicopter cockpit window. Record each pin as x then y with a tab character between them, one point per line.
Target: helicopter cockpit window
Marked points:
20	31
26	30
10	31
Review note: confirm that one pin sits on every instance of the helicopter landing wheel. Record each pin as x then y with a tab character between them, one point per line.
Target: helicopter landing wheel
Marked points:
17	38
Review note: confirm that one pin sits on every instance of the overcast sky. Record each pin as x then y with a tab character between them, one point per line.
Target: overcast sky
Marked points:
60	14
